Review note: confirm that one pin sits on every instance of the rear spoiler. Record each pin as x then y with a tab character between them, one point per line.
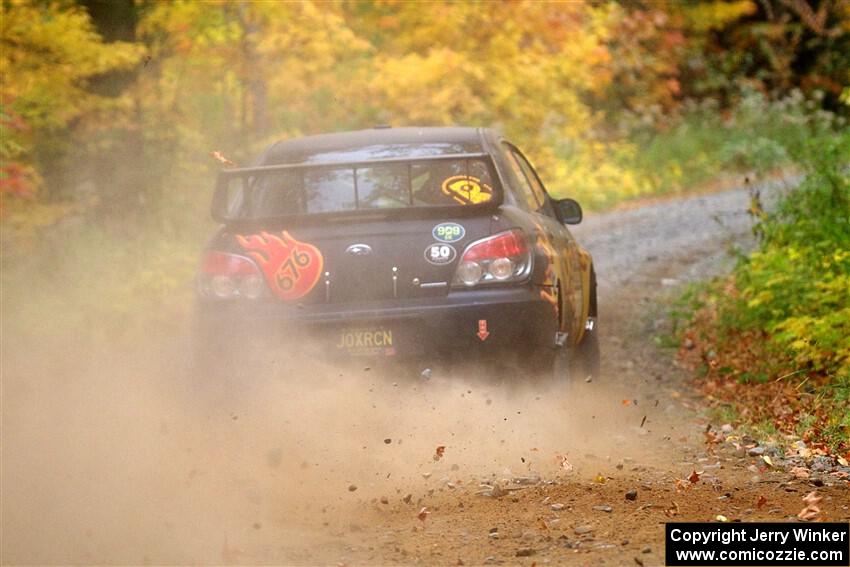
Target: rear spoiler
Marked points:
242	171
219	203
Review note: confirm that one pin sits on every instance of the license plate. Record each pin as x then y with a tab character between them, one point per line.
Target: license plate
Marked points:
366	341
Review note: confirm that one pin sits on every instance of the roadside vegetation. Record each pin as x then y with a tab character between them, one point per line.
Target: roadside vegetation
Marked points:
109	113
771	341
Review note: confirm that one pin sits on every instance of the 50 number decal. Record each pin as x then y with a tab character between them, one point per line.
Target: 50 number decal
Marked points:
440	254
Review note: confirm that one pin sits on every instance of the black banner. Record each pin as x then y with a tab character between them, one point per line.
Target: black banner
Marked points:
764	544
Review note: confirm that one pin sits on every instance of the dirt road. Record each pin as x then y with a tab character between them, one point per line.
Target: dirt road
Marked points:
109	458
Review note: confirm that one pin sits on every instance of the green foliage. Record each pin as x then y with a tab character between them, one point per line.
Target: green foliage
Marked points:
755	138
788	303
797	286
101	282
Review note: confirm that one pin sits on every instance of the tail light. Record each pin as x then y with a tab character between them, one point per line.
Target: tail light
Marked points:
226	276
503	257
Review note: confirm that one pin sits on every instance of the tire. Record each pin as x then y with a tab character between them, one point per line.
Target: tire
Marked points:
587	352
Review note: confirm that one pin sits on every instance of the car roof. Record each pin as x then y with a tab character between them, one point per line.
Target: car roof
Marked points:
376	143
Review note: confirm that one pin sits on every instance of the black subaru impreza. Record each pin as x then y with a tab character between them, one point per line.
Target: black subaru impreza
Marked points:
426	243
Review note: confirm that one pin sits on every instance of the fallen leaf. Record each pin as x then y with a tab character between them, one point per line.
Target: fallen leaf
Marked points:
800	472
760	502
599	479
626	402
712	437
694	477
812	497
767	460
721	518
672	510
565	464
423	514
438	454
220	158
811	511
843	462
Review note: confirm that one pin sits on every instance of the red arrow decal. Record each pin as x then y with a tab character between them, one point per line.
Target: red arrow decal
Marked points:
482	329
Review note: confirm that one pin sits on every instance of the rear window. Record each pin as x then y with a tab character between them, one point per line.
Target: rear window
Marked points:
313	190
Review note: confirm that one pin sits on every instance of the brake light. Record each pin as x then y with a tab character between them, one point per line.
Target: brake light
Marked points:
226	276
503	257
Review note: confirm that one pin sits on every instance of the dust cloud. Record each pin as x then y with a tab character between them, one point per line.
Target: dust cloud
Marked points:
115	454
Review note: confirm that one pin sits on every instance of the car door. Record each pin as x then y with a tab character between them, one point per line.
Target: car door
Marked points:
565	250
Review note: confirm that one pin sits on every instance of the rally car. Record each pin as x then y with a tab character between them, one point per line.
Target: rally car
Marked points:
402	243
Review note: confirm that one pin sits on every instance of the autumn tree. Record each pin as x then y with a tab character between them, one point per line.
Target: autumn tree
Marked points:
50	55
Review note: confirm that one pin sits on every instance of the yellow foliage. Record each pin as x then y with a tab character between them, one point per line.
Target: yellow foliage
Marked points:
716	14
49	52
450	83
521	66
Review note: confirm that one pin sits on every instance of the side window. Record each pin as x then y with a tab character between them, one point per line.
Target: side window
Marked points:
525	191
534	181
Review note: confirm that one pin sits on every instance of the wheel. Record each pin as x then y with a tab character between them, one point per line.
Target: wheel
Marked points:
587	351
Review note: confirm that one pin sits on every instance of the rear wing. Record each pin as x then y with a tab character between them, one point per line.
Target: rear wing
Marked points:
249	175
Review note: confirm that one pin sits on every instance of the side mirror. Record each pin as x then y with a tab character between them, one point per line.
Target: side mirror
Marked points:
569	211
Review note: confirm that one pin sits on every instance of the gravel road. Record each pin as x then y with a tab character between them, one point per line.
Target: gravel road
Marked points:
108	459
700	228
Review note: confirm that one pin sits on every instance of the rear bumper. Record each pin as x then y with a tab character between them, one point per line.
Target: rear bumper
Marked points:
466	322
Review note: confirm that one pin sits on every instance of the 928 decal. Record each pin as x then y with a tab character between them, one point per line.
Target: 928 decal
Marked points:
291	268
448	232
467	190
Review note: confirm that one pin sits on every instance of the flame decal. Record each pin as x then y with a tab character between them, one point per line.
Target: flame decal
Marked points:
292	268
